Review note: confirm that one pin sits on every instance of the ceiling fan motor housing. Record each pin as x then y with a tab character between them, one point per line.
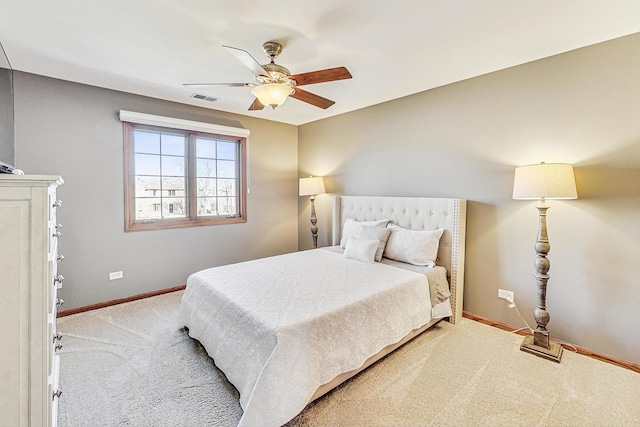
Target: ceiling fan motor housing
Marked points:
272	49
278	73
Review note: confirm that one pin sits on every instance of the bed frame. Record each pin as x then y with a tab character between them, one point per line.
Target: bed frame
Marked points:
416	213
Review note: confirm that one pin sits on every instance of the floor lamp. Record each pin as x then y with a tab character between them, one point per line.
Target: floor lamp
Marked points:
533	182
312	186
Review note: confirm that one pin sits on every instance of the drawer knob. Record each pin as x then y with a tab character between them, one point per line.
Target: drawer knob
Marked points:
57	394
59	302
57	234
58	336
58	226
58	346
57	203
60	258
58	279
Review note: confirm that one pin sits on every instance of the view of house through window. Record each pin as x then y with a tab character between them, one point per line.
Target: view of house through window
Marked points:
160	174
217	168
181	178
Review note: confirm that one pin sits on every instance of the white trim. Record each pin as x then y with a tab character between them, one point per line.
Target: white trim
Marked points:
170	122
248	169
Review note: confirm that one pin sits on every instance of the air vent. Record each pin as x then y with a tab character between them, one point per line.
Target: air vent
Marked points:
204	97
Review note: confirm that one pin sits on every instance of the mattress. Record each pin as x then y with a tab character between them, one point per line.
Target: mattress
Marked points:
281	327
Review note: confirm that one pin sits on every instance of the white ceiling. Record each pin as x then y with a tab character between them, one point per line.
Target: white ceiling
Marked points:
392	48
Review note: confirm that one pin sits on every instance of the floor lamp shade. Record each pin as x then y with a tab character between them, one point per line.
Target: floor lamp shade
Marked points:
543	181
311	187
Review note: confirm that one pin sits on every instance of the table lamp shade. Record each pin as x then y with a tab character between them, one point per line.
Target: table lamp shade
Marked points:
312	186
545	180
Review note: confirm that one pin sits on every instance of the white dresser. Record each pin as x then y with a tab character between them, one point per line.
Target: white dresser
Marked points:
29	366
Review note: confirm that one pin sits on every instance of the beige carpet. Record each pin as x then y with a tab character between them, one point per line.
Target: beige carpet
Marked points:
133	365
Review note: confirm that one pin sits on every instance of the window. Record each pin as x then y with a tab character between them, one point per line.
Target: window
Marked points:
182	178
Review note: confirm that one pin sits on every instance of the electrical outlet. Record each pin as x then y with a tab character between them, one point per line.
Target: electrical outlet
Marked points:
116	275
508	295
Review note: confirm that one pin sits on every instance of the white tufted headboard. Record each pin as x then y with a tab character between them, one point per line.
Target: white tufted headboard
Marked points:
420	214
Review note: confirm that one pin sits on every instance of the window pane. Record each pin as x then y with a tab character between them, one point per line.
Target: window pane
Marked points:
147	164
146	142
148	208
173	187
172	166
227	206
205	168
173	207
147	186
226	188
206	148
206	187
207	206
227	150
173	144
226	169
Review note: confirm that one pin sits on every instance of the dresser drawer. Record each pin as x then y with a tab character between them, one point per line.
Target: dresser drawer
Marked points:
54	283
54	234
54	344
52	271
54	391
54	203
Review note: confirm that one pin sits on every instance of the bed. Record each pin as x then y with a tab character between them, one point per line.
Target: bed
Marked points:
287	329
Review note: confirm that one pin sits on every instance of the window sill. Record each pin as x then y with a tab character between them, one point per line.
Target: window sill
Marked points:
162	224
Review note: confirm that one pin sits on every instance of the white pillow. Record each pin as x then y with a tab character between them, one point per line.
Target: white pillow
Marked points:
351	228
376	233
417	247
361	249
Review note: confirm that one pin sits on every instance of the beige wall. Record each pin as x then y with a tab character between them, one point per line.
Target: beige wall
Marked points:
464	140
73	130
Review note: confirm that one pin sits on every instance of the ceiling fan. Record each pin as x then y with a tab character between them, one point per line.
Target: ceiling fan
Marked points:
275	83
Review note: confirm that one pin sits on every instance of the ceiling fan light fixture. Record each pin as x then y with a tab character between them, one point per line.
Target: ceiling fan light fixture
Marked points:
272	94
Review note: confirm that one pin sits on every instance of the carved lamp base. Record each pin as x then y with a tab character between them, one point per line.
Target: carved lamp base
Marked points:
554	352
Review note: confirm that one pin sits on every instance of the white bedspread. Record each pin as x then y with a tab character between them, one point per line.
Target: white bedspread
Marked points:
280	327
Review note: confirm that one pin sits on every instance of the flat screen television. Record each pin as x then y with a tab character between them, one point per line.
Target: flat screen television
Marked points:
7	130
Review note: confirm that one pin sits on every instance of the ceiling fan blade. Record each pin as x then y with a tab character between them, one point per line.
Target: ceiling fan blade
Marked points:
328	75
256	105
311	98
247	60
218	84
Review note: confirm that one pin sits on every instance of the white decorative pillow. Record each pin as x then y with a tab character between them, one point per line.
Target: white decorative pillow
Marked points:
361	249
417	247
351	228
376	233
